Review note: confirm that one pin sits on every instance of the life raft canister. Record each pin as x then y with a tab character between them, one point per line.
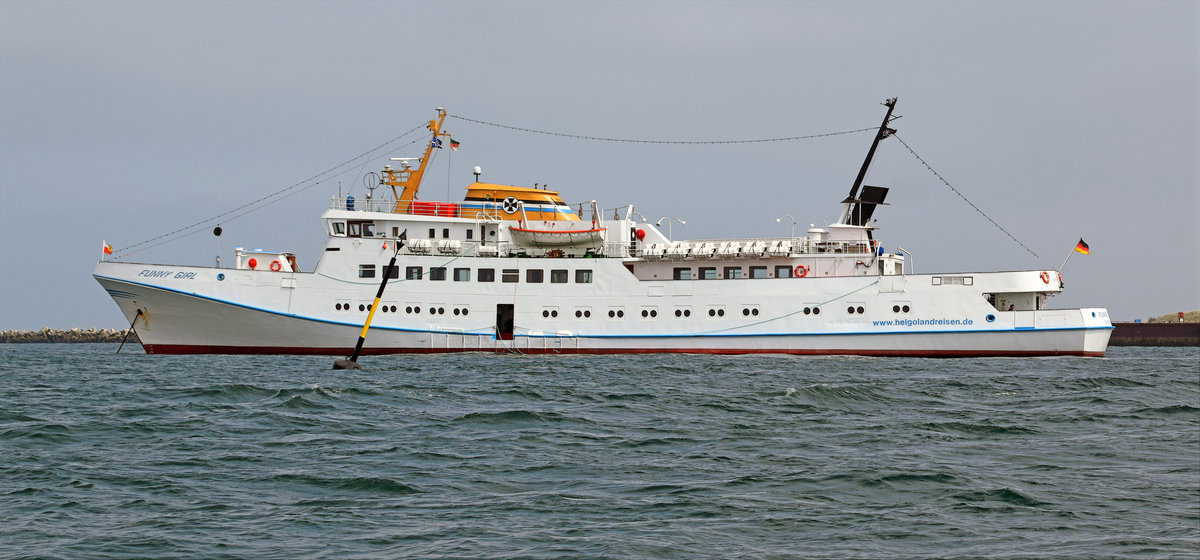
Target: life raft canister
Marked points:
801	271
1045	277
275	266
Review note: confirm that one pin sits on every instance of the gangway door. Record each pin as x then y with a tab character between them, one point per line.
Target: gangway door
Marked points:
504	321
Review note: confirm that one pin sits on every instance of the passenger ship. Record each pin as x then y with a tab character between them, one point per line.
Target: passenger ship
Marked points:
515	269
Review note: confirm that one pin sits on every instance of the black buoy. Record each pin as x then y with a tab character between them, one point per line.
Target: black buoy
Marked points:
352	362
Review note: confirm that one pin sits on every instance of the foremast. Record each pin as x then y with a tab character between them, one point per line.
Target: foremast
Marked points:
408	179
858	207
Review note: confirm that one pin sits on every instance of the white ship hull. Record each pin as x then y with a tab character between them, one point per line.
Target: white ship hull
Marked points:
475	277
186	310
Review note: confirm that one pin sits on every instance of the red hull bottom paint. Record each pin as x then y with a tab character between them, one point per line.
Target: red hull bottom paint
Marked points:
196	349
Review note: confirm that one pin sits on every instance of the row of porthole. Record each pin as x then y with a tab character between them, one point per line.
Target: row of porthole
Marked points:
394	309
813	310
436	310
895	309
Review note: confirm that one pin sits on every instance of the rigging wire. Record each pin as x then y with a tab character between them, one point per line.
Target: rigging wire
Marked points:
126	250
960	195
640	141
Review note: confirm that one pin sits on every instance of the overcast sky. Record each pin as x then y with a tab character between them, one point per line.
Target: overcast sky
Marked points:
125	121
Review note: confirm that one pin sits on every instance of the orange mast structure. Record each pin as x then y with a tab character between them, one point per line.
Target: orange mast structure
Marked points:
408	179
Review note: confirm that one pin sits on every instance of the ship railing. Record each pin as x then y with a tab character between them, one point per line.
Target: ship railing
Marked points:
411	207
454	247
750	247
355	204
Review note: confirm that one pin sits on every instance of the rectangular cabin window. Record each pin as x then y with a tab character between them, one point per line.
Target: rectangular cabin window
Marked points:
437	273
470	233
432	233
446	233
708	273
558	276
395	232
783	271
355	229
366	271
510	275
732	272
412	273
682	273
339	228
486	275
392	273
758	272
534	275
462	275
368	229
583	276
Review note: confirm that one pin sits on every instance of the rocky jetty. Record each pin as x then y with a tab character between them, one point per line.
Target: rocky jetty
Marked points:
48	334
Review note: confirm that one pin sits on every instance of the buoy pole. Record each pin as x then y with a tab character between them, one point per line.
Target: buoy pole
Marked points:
135	318
352	363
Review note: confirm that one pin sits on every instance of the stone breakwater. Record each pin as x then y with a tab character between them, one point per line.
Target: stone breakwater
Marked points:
48	334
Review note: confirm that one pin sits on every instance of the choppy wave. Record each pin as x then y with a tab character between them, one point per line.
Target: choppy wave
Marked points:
599	457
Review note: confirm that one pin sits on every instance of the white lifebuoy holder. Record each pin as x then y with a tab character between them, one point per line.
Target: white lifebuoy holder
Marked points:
1045	276
275	266
509	205
801	271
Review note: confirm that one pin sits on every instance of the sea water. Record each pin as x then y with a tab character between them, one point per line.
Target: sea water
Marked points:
653	456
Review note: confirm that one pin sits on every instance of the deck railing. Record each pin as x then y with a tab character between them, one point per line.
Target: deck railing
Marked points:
415	207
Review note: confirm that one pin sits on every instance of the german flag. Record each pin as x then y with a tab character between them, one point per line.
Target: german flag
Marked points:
1082	247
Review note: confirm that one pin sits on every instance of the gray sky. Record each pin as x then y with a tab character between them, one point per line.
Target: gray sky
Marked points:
124	121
